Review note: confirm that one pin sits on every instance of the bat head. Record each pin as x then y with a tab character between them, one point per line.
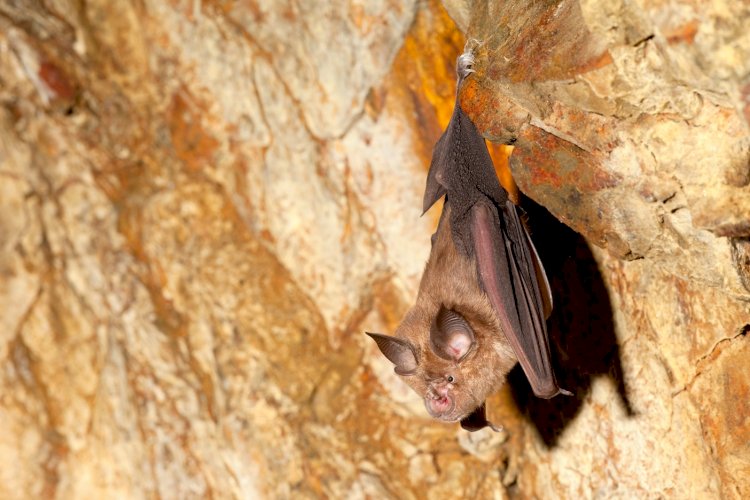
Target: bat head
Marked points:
449	347
445	358
438	373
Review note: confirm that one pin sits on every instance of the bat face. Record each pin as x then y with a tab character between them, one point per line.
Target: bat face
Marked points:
447	348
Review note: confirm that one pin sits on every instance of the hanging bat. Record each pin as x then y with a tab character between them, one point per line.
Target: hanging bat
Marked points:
484	297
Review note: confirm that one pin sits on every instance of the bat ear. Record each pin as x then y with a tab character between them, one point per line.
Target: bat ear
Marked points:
435	188
398	351
451	337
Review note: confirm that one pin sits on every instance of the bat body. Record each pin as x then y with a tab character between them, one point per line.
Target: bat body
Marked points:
483	298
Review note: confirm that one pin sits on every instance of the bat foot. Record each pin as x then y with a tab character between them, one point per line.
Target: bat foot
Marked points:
465	65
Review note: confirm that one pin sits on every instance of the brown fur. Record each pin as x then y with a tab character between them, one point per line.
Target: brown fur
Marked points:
450	280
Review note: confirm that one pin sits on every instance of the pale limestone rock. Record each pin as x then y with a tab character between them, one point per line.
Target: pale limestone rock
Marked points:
204	204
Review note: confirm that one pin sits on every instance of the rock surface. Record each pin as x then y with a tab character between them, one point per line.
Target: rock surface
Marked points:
203	205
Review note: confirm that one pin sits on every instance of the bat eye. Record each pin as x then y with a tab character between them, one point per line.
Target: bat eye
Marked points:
450	379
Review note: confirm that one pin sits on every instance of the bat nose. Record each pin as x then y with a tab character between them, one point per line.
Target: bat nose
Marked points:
443	390
439	406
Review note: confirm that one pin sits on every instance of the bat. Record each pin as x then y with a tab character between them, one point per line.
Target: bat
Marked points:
483	299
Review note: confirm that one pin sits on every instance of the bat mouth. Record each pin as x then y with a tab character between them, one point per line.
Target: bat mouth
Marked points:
441	407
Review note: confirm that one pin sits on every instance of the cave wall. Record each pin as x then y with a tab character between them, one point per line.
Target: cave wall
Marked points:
204	204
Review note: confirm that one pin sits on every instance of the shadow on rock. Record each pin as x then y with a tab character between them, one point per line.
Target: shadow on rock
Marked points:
582	336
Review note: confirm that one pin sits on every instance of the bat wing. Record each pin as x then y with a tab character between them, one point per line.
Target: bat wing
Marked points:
436	181
541	276
509	269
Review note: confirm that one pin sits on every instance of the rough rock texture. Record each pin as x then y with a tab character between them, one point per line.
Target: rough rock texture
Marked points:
204	203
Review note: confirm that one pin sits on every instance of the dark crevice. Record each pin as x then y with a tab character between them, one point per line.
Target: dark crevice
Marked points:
644	40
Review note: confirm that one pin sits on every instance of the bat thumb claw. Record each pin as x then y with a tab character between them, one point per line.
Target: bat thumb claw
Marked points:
496	428
564	392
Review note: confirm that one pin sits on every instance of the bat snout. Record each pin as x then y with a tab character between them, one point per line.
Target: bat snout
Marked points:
441	407
440	404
